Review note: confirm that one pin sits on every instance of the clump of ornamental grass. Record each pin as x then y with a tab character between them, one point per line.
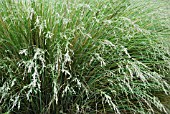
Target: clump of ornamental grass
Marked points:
84	57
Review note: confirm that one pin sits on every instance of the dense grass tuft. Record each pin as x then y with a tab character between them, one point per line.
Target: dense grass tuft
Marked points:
75	56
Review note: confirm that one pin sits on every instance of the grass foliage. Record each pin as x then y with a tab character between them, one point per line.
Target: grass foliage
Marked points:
75	56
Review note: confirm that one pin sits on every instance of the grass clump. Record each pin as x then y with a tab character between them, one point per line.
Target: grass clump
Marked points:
94	56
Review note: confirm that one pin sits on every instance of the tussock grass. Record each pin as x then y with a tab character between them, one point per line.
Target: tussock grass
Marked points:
94	56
